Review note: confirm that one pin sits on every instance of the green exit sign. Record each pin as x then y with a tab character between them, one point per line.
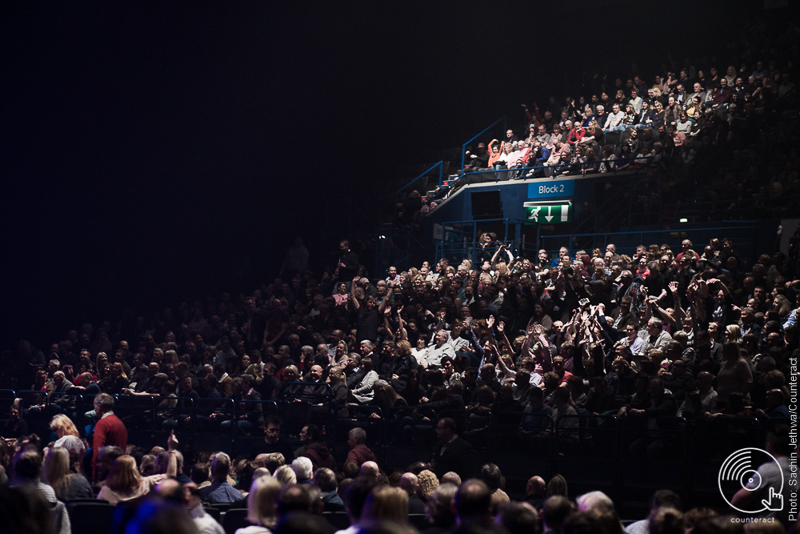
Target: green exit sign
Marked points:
548	212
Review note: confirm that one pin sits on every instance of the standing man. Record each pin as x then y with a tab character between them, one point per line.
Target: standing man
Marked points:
273	441
109	429
452	453
348	263
359	452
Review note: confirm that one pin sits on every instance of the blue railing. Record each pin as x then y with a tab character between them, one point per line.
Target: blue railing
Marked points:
583	166
464	146
468	245
421	175
664	235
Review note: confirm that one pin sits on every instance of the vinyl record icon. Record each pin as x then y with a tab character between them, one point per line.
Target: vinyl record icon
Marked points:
740	471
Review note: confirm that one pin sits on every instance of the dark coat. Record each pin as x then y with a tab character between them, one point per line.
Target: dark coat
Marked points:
459	457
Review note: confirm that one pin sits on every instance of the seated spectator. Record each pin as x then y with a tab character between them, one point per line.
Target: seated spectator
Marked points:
325	480
28	471
616	119
410	484
220	491
302	469
438	509
124	482
61	472
386	503
262	506
518	518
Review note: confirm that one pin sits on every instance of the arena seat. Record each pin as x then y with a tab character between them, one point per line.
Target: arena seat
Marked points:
234	519
91	516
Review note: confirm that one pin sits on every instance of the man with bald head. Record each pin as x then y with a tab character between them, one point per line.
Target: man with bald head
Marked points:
410	484
370	470
451	477
535	491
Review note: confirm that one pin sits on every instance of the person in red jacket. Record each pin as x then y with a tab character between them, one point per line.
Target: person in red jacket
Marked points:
109	430
359	452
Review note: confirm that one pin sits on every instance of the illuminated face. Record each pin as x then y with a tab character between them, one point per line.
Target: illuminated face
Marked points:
441	337
316	373
272	432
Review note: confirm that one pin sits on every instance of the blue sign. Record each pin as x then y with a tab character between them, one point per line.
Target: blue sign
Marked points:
555	188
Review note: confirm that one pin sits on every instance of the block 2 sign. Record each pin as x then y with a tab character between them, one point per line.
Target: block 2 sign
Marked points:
548	212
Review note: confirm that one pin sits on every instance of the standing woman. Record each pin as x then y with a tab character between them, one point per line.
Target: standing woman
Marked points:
67	434
735	374
341	294
485	247
658	115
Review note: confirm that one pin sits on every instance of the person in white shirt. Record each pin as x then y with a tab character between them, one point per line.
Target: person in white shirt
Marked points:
435	353
615	119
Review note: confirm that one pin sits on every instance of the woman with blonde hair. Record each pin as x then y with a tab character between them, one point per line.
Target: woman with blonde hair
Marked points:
262	506
386	503
593	136
100	361
67	434
285	475
387	399
124	482
733	333
658	115
67	483
782	305
171	356
117	380
428	482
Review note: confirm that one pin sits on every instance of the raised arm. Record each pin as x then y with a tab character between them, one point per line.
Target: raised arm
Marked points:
680	313
403	333
389	333
172	447
352	296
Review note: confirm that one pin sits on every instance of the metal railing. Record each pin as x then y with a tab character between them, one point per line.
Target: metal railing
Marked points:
466	245
464	146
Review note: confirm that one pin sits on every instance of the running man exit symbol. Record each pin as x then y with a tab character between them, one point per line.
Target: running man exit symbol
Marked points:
544	213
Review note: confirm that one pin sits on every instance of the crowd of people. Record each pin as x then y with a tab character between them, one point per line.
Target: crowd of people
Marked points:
723	131
667	121
443	355
438	353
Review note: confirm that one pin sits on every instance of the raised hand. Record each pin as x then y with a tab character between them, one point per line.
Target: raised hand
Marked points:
673	287
172	442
